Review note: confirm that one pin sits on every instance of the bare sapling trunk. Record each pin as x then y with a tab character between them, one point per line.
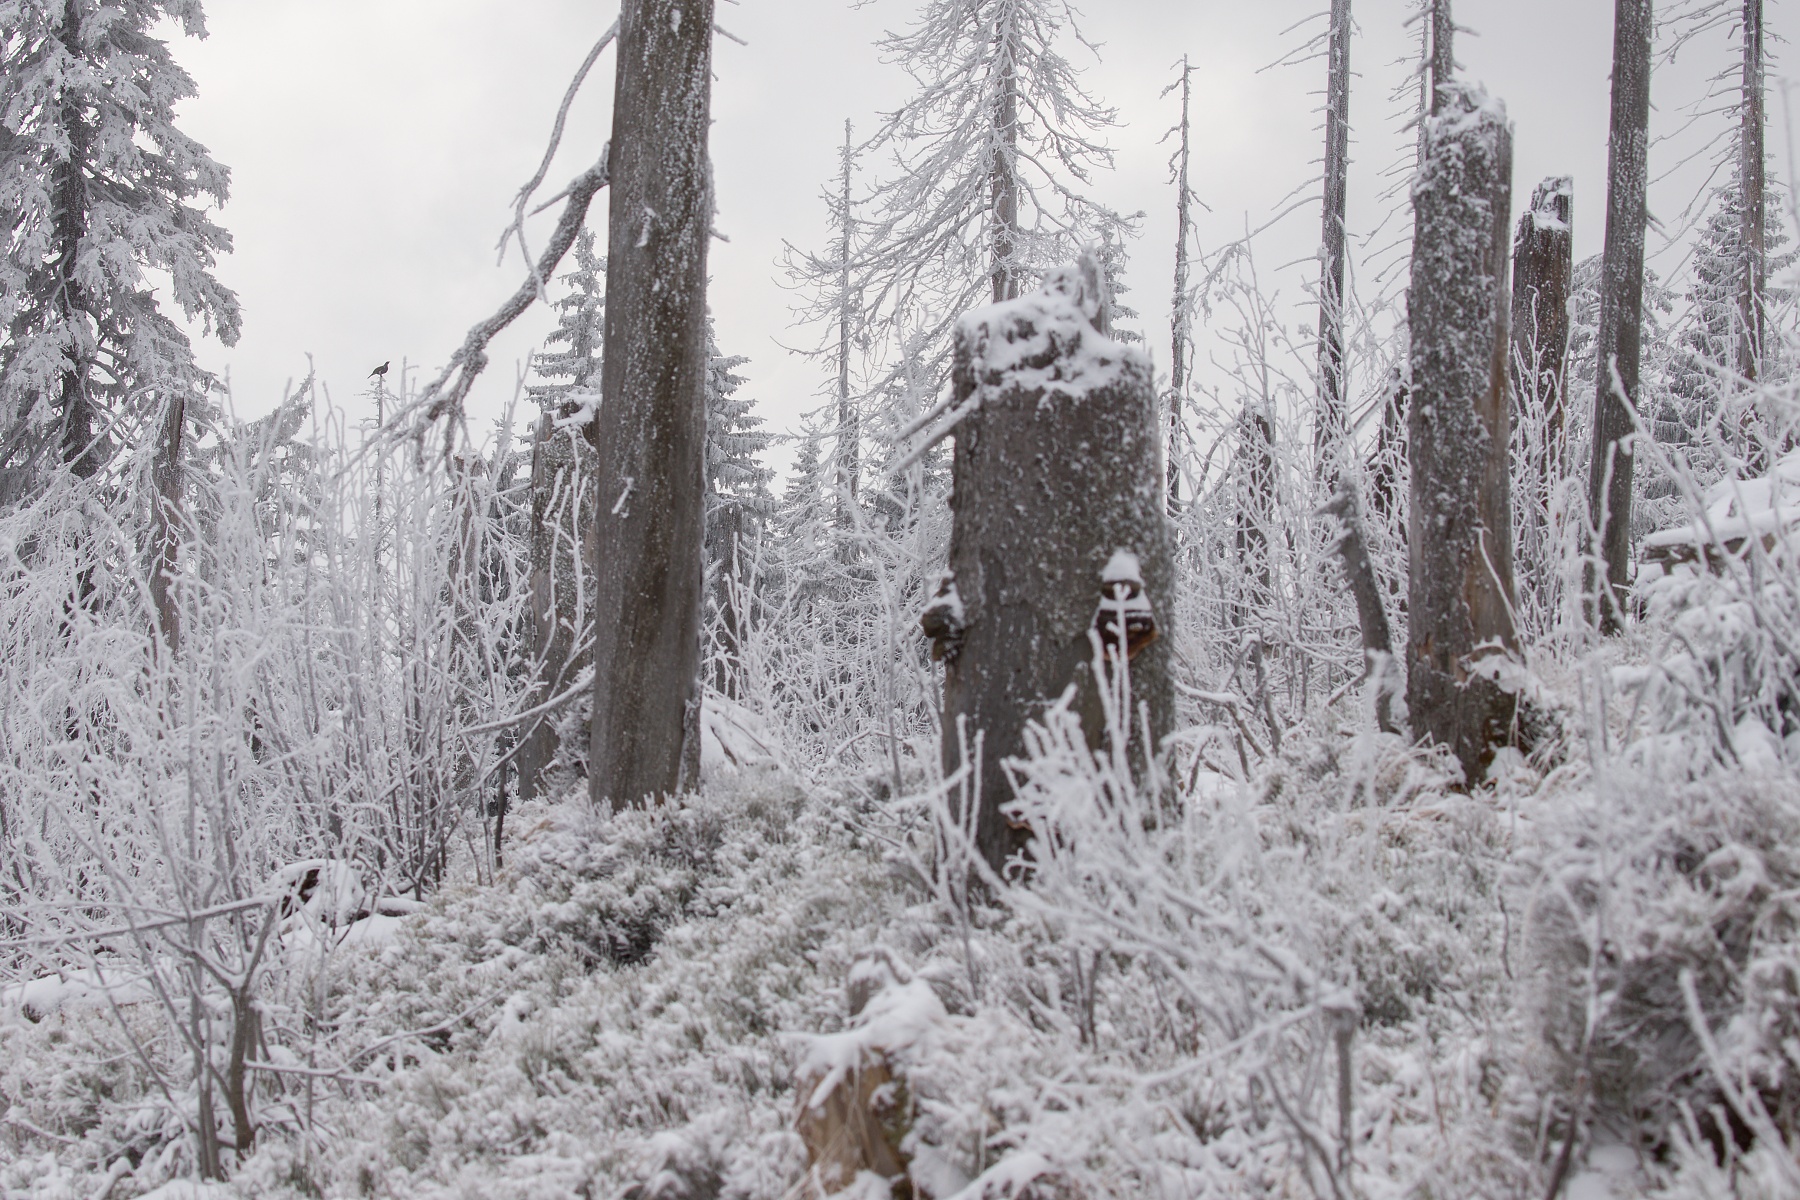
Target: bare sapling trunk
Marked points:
1005	186
1753	271
1543	267
849	430
1618	345
1180	351
167	481
649	506
1459	595
562	475
1328	433
1059	530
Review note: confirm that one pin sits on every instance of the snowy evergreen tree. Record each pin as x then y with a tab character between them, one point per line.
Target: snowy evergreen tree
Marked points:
580	334
99	187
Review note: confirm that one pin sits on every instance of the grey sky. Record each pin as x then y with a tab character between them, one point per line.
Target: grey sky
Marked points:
375	145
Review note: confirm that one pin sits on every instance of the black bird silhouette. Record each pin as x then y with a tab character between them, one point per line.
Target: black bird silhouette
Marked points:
381	370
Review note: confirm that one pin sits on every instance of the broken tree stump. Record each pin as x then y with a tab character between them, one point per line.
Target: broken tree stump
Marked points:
1058	532
1460	593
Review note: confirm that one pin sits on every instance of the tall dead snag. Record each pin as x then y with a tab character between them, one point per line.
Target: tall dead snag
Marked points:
167	484
1365	588
1543	265
1621	302
1752	281
1328	434
1058	521
648	509
1181	348
1459	595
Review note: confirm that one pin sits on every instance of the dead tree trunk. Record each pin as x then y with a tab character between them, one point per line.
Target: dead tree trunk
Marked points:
1752	281
1004	184
562	586
849	430
1443	55
1621	304
1459	596
1058	504
1328	434
648	509
1180	350
167	485
1255	518
1365	589
1543	266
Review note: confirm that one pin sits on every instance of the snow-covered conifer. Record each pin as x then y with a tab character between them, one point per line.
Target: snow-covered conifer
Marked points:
99	187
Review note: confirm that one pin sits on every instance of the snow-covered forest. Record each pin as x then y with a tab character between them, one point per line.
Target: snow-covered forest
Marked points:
1335	734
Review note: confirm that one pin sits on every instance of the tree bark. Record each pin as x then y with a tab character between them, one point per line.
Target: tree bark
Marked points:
1754	238
649	506
1543	267
1459	596
81	453
1365	589
1179	348
1621	305
166	482
1328	434
1050	481
1443	51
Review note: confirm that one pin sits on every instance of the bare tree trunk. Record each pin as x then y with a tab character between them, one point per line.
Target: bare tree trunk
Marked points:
1543	267
1255	517
1621	303
167	478
649	507
1459	599
1180	350
1051	483
1005	180
849	434
1754	270
1328	433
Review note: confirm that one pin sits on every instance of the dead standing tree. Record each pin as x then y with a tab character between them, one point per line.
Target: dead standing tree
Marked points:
1752	167
1328	434
652	437
1459	596
1543	268
1059	519
1618	345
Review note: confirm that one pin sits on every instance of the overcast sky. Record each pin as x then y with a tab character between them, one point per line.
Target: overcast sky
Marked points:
375	145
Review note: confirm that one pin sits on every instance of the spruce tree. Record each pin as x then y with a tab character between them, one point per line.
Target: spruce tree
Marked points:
99	187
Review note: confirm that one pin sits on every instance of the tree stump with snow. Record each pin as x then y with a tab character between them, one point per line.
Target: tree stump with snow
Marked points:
1460	592
1059	536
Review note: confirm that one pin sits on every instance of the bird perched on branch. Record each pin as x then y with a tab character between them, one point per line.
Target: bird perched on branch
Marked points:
378	371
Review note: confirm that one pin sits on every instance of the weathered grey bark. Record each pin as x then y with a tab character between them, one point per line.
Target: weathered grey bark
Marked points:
648	509
725	551
1050	480
1543	266
1180	350
562	586
1459	595
166	485
1328	432
1621	304
1752	167
1443	53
